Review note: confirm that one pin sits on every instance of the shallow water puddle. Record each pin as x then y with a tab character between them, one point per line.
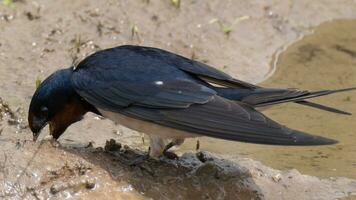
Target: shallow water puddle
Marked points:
325	59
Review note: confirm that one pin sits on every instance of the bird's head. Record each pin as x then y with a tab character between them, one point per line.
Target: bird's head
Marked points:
56	103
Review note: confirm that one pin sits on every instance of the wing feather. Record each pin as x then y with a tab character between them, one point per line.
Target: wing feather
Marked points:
164	88
226	119
116	78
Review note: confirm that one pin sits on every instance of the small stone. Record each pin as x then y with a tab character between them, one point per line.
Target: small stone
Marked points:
56	188
276	178
89	184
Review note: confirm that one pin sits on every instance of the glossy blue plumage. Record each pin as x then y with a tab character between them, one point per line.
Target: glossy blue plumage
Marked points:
54	92
167	89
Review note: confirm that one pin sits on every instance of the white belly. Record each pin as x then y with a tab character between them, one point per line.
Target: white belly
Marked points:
149	128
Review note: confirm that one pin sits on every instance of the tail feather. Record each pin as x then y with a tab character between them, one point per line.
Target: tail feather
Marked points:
262	97
303	97
323	107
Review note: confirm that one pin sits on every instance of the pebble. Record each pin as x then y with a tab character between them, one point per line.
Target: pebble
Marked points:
277	177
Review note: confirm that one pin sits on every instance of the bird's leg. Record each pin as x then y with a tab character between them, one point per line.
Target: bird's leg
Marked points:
157	146
174	142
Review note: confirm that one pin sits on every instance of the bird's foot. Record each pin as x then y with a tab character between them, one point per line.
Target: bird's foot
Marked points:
170	155
202	157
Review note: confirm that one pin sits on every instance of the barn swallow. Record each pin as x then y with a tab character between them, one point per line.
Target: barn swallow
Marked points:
166	96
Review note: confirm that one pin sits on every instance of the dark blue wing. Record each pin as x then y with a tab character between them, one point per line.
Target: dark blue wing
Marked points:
221	118
192	67
116	78
164	88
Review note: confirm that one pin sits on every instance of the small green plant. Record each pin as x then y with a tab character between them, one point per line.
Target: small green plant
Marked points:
228	28
223	68
8	3
134	30
77	42
176	3
38	82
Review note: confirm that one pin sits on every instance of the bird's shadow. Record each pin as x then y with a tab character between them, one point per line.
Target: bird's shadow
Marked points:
192	176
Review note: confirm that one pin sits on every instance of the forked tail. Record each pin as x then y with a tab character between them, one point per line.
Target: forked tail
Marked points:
262	97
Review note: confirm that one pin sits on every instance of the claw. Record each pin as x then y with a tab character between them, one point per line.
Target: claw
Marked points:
170	155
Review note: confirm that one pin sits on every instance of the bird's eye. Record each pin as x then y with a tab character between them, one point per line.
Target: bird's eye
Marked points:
44	111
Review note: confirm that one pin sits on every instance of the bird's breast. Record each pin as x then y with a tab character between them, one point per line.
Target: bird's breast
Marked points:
147	127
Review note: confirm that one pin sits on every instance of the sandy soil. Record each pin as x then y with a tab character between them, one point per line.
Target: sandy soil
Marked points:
38	37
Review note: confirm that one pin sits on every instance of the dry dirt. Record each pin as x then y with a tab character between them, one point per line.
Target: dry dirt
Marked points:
239	37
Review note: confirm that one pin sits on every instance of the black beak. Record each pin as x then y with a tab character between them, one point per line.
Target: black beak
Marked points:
35	135
36	125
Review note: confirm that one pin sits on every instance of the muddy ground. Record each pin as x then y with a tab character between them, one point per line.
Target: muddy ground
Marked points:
322	60
239	37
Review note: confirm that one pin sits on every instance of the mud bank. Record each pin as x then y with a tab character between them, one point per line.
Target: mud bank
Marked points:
47	170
